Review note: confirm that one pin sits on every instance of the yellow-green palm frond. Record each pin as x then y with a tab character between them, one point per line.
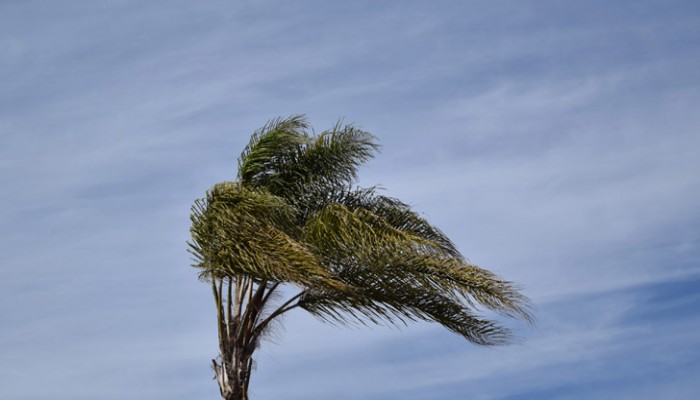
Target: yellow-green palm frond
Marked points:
337	231
395	213
239	231
385	263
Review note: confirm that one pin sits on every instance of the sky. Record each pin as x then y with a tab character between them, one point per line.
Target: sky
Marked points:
556	142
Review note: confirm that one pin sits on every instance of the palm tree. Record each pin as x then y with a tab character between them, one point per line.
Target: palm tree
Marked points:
294	219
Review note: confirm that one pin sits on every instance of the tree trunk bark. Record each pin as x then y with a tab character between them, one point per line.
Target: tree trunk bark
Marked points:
240	395
239	310
233	378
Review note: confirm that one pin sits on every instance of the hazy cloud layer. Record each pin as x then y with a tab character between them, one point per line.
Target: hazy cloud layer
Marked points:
556	142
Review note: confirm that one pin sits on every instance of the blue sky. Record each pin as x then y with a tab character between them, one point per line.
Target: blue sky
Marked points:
557	143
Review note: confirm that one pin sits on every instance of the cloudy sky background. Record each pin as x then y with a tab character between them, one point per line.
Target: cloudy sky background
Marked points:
557	143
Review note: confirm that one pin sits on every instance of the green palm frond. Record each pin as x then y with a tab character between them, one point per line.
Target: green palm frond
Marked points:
339	232
238	231
285	160
334	156
396	213
357	256
394	301
367	252
271	146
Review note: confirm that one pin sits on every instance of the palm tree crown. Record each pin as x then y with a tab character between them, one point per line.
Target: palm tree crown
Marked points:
295	218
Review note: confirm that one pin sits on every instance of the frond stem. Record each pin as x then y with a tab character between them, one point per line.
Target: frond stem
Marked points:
279	311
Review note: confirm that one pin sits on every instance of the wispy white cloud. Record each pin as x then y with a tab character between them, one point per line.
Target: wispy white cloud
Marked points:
555	144
575	346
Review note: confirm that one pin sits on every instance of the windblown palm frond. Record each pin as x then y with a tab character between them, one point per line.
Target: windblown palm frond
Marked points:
366	251
282	158
294	218
395	213
334	156
238	231
270	148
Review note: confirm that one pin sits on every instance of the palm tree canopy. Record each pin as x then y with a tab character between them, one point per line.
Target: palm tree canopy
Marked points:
294	217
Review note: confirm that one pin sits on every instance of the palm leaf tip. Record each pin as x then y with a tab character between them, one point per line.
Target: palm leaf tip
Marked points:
278	139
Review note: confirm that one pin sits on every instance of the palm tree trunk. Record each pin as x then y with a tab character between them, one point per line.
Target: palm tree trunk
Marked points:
236	315
233	378
239	312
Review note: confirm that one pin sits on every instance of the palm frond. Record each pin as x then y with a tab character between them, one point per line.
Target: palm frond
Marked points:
328	161
395	213
337	232
334	156
236	230
270	146
383	262
357	256
384	299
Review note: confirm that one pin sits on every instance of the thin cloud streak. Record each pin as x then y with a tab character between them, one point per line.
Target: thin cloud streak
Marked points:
573	346
556	145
